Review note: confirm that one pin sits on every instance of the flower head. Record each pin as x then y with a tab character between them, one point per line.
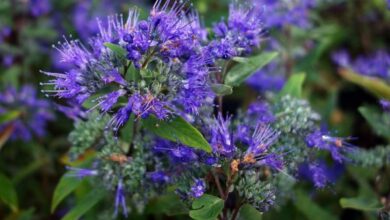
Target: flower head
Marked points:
335	145
241	33
221	138
258	150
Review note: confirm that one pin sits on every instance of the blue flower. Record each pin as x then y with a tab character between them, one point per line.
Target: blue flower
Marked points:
221	138
258	151
198	188
337	146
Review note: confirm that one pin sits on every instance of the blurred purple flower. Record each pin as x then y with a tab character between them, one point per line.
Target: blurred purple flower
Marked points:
337	146
374	65
278	14
159	177
34	112
39	7
267	79
385	105
319	173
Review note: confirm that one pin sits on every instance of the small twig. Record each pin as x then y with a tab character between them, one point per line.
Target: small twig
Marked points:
219	187
236	210
135	130
220	104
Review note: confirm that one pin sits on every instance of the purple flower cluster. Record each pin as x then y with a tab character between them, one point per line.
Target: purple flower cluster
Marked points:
33	116
373	65
239	35
163	51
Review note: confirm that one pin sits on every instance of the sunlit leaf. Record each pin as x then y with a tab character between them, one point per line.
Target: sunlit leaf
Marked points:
117	49
5	134
376	86
221	89
294	86
177	129
9	116
361	203
246	67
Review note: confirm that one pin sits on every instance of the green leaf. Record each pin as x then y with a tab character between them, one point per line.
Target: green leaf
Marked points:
177	129
246	67
207	207
294	86
240	59
247	212
377	120
169	204
7	193
85	204
65	187
376	86
9	116
221	89
117	49
361	203
310	209
366	199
